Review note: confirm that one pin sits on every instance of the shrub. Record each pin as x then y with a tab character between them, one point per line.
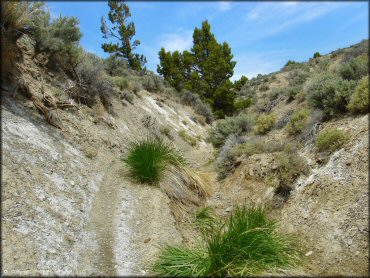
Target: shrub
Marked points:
59	38
323	65
356	50
127	96
200	107
242	103
121	82
290	166
298	122
92	81
153	83
188	98
274	93
205	110
116	66
297	77
148	159
226	159
230	125
136	87
264	87
200	119
264	123
316	55
359	102
246	243
285	118
291	65
356	68
300	97
17	17
256	145
273	78
291	92
187	138
330	140
330	94
311	126
169	91
248	92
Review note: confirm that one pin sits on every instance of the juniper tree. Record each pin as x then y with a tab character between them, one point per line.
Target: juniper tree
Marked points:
123	31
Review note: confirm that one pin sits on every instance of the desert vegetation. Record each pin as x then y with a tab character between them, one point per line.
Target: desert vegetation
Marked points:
148	159
330	140
273	134
245	243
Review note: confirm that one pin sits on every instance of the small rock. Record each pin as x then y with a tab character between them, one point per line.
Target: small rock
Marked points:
147	240
115	266
309	253
72	183
228	209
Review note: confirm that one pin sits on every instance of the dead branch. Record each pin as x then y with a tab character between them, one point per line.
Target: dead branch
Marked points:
50	116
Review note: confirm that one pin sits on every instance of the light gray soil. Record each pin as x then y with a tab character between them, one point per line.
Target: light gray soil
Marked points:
68	207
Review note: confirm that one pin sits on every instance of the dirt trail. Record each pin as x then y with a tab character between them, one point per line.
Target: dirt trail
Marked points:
101	224
129	222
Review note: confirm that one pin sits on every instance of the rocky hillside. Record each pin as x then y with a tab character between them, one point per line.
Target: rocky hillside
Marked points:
301	148
69	207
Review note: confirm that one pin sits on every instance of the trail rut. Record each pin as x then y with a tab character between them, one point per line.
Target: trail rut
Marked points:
129	223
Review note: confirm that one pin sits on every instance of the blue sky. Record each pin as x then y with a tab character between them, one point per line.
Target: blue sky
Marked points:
263	35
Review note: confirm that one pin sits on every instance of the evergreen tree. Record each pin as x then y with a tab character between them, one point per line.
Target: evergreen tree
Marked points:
123	31
238	84
171	68
205	70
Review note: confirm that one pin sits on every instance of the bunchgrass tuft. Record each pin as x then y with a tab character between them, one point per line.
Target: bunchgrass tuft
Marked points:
246	243
182	261
148	159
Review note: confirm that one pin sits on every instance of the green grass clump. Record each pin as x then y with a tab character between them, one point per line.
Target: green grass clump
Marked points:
147	159
246	243
330	139
187	138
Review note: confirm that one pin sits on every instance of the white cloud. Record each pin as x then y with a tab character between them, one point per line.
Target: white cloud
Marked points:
174	41
268	19
252	64
224	6
253	15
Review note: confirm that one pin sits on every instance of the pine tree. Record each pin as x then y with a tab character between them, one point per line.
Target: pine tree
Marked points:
171	68
205	70
123	31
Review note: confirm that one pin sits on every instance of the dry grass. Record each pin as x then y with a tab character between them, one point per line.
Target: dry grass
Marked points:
16	15
99	110
184	185
15	20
